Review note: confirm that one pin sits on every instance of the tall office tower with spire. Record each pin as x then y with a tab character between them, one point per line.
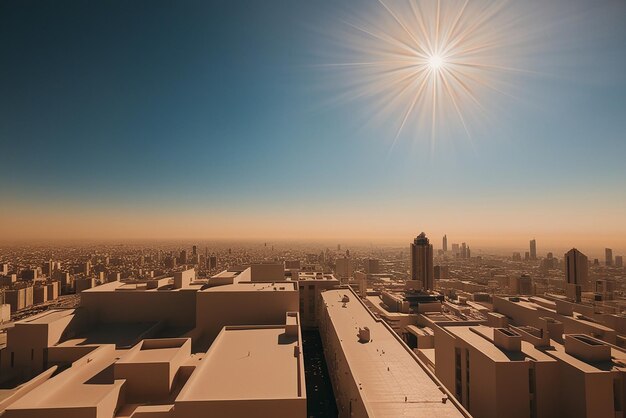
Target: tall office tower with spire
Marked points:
422	261
445	243
608	257
533	249
577	269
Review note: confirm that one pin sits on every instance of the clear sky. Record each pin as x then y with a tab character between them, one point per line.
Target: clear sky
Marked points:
216	119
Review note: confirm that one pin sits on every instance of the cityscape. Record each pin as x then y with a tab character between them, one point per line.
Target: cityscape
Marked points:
291	209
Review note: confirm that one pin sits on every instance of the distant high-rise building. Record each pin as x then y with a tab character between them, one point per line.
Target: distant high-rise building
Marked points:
343	268
577	269
455	248
441	272
619	262
608	257
194	250
445	243
212	262
183	257
87	268
517	257
527	255
48	268
468	253
422	261
522	285
533	249
372	266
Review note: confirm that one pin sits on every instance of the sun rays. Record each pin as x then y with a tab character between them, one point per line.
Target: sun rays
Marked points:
431	66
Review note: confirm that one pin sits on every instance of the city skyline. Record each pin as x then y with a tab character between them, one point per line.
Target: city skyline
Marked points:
210	121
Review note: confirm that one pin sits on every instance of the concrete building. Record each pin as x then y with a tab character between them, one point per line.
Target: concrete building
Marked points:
532	311
521	372
608	257
372	266
267	272
372	372
165	347
577	269
344	268
422	262
310	286
521	285
533	249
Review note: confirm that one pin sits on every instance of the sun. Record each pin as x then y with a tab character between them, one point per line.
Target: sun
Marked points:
432	67
435	62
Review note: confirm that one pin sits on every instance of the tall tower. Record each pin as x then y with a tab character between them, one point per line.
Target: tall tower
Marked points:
445	243
577	268
608	257
422	261
533	249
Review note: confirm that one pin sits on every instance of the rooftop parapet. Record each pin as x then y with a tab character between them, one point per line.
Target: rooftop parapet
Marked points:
587	348
507	339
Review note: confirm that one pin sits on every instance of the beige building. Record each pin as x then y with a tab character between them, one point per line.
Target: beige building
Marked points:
162	348
373	373
522	372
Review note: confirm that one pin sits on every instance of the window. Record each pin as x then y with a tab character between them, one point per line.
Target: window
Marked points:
467	377
457	373
617	395
531	390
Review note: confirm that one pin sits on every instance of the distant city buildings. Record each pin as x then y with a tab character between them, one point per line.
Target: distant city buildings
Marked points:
445	243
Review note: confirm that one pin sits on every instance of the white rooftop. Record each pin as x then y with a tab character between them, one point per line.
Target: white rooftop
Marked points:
393	382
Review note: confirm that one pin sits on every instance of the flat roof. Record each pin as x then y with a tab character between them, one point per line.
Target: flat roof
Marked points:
118	286
72	387
255	287
47	317
528	304
383	368
248	363
150	355
483	345
589	367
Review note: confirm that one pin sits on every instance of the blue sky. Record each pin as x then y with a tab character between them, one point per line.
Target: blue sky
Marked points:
222	105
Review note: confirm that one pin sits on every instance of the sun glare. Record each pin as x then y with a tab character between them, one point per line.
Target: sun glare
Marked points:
431	66
435	62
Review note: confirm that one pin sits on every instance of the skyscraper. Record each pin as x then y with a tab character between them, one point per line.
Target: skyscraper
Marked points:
422	261
577	268
608	257
533	249
445	243
619	261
